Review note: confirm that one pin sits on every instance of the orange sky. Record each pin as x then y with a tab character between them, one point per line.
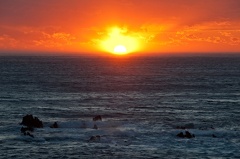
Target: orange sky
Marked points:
85	25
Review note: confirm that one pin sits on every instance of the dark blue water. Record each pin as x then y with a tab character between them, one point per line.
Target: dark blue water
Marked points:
142	101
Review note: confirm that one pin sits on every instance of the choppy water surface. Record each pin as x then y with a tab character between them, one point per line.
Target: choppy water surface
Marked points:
142	101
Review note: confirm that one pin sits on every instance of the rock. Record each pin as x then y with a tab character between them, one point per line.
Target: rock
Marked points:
98	117
31	121
24	129
55	125
98	137
95	126
181	135
94	138
214	136
186	135
27	133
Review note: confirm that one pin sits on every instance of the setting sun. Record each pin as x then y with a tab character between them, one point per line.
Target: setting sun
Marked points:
120	50
119	41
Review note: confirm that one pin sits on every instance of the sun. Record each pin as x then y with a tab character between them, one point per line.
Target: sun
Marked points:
120	50
119	41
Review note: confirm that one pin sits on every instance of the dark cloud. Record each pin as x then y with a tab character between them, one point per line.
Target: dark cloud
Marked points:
88	12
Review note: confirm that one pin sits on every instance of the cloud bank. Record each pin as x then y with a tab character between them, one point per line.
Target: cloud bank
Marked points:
77	25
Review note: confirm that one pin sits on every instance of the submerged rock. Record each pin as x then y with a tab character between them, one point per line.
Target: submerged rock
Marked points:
98	117
95	126
55	125
24	129
28	133
94	138
214	136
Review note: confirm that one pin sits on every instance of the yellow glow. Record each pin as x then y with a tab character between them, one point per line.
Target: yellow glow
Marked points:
120	49
119	41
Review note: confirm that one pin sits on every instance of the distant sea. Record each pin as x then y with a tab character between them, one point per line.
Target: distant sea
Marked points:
144	103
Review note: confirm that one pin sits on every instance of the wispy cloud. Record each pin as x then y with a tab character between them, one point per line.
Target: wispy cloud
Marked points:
34	38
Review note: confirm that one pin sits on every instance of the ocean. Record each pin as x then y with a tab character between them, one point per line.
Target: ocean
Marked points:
144	103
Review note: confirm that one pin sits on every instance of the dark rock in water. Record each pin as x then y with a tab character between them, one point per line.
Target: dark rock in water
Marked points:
181	135
186	135
94	138
95	126
27	133
98	137
55	125
98	117
27	130
31	121
24	129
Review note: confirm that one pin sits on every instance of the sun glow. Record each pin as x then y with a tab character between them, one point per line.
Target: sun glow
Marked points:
120	49
119	42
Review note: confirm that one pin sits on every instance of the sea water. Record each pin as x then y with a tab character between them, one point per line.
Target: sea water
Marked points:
144	103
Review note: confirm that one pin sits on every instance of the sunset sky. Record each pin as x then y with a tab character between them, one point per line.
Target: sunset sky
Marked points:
97	26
